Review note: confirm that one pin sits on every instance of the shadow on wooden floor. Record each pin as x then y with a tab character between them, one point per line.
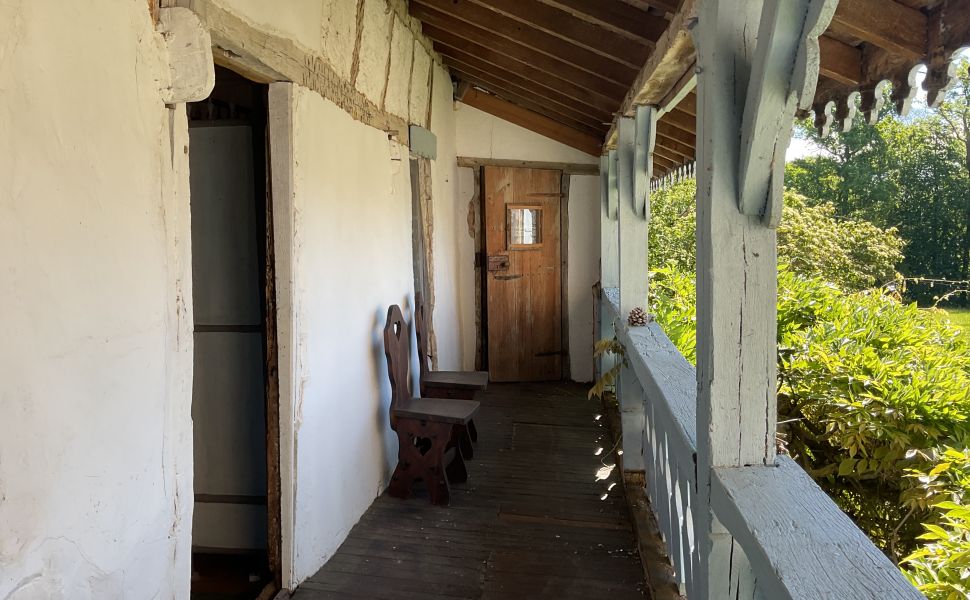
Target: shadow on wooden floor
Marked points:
533	520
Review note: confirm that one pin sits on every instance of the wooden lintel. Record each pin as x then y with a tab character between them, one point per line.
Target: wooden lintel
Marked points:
887	24
533	122
568	168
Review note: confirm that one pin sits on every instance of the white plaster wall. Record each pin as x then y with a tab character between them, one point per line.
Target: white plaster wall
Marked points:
399	74
374	52
96	364
351	259
584	266
420	93
339	34
449	267
302	21
481	135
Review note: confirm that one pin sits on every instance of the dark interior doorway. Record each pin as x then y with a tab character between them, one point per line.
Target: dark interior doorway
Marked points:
235	396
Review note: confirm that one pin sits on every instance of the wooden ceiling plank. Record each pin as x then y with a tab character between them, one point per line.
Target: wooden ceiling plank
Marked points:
672	57
500	25
689	104
667	155
536	106
887	24
570	29
667	6
523	87
840	61
663	162
439	26
680	119
491	62
618	16
671	145
669	131
533	122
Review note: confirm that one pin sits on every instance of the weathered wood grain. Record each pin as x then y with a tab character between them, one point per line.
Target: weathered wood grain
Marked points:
800	545
502	537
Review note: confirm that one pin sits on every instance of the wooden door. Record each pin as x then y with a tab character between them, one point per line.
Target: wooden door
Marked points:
523	277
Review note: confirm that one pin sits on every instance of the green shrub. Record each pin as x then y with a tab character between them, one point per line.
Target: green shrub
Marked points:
851	253
871	393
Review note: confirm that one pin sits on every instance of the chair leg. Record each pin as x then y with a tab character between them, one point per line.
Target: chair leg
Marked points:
457	473
473	431
460	439
421	462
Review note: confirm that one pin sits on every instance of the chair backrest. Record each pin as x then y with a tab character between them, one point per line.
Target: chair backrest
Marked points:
397	349
419	327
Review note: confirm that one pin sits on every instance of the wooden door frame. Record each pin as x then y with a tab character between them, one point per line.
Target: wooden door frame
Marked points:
264	155
481	273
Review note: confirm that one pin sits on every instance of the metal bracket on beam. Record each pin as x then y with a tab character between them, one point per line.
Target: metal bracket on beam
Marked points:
784	73
644	142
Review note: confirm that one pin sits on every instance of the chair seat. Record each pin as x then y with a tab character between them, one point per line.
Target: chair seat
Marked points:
475	380
439	410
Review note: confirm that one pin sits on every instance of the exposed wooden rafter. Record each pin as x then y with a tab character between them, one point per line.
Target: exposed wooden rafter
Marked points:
619	17
500	25
581	32
511	70
450	31
517	93
887	24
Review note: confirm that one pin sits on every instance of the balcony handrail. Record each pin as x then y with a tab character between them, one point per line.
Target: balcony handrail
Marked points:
798	542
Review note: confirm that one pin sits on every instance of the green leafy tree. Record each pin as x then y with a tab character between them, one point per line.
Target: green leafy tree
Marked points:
909	174
812	240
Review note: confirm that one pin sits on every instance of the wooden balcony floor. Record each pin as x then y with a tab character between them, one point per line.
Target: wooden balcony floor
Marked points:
529	523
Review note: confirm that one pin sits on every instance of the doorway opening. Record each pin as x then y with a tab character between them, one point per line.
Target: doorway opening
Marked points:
235	393
523	237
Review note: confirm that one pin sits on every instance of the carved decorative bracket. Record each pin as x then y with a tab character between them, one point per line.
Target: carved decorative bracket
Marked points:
644	142
784	73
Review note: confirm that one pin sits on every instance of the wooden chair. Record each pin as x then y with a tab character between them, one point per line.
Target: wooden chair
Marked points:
428	429
445	384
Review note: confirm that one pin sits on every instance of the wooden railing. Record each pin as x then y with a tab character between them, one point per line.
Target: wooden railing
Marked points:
795	542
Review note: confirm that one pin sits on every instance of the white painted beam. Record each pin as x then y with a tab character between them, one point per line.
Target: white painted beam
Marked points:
633	225
736	287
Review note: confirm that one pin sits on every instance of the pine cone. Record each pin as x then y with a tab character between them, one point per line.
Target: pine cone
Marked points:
638	317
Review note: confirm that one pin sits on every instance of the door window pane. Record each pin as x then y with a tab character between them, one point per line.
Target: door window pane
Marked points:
524	226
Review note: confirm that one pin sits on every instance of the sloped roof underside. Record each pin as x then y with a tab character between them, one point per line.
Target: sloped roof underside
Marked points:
568	68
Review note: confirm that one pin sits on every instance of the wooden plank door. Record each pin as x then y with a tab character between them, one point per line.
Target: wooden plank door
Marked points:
523	274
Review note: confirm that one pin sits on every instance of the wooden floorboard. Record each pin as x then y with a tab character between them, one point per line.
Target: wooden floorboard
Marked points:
533	520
